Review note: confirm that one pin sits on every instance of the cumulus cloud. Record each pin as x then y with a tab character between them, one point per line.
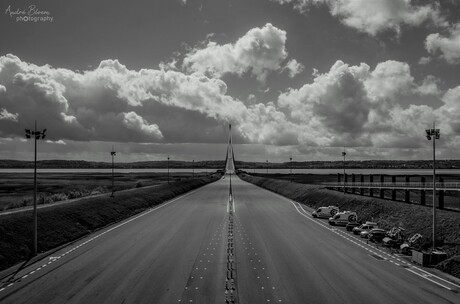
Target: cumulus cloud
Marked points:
135	122
388	80
375	16
355	105
447	46
259	51
429	86
293	67
57	142
346	105
114	103
5	115
424	60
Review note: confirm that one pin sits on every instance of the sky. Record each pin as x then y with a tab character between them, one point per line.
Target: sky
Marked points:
295	78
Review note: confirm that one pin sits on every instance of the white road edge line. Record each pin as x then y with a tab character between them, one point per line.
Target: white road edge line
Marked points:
408	269
109	230
432	275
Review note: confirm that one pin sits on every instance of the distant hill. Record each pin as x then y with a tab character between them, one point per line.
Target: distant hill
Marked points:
366	164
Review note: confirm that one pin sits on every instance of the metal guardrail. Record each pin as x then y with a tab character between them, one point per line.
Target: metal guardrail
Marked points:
427	186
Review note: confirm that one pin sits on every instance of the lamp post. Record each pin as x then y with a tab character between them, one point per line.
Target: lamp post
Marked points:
36	135
343	154
267	166
434	134
290	164
113	153
168	169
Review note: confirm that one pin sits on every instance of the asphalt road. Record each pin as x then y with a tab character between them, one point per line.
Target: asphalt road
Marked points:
179	253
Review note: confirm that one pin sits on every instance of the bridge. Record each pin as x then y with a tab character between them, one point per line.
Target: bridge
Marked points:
196	249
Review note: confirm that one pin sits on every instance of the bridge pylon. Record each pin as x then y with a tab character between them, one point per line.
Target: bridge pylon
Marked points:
230	157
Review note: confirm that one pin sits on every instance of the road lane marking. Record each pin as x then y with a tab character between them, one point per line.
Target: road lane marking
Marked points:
426	276
103	233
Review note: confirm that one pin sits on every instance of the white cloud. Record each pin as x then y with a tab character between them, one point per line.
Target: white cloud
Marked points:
5	115
388	80
375	16
172	65
347	105
259	51
57	142
448	47
293	67
135	122
424	60
358	106
114	103
429	86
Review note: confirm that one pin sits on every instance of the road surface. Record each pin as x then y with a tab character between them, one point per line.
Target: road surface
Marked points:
181	252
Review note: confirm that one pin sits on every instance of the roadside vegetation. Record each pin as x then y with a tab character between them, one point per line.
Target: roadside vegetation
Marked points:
61	224
414	218
451	198
16	189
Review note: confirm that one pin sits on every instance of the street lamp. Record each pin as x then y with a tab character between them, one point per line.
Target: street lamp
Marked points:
343	154
434	134
36	135
267	166
113	153
290	168
168	169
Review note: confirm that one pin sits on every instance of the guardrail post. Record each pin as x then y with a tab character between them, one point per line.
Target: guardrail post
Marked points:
382	190
371	180
361	190
393	191
441	194
407	191
423	193
353	181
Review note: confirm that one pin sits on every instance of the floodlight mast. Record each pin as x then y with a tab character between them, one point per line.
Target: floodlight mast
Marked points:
343	154
168	169
37	135
433	134
113	153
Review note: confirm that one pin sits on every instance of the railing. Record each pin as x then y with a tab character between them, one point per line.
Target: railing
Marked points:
428	186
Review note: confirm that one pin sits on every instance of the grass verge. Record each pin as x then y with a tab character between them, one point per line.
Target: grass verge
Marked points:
414	218
64	223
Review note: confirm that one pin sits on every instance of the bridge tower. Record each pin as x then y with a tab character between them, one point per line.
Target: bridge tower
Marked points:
230	157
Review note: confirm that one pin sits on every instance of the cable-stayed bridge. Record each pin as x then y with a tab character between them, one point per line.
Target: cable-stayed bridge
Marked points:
198	248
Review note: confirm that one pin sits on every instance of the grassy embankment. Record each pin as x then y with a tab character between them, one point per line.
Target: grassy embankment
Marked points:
16	189
414	218
63	223
451	198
